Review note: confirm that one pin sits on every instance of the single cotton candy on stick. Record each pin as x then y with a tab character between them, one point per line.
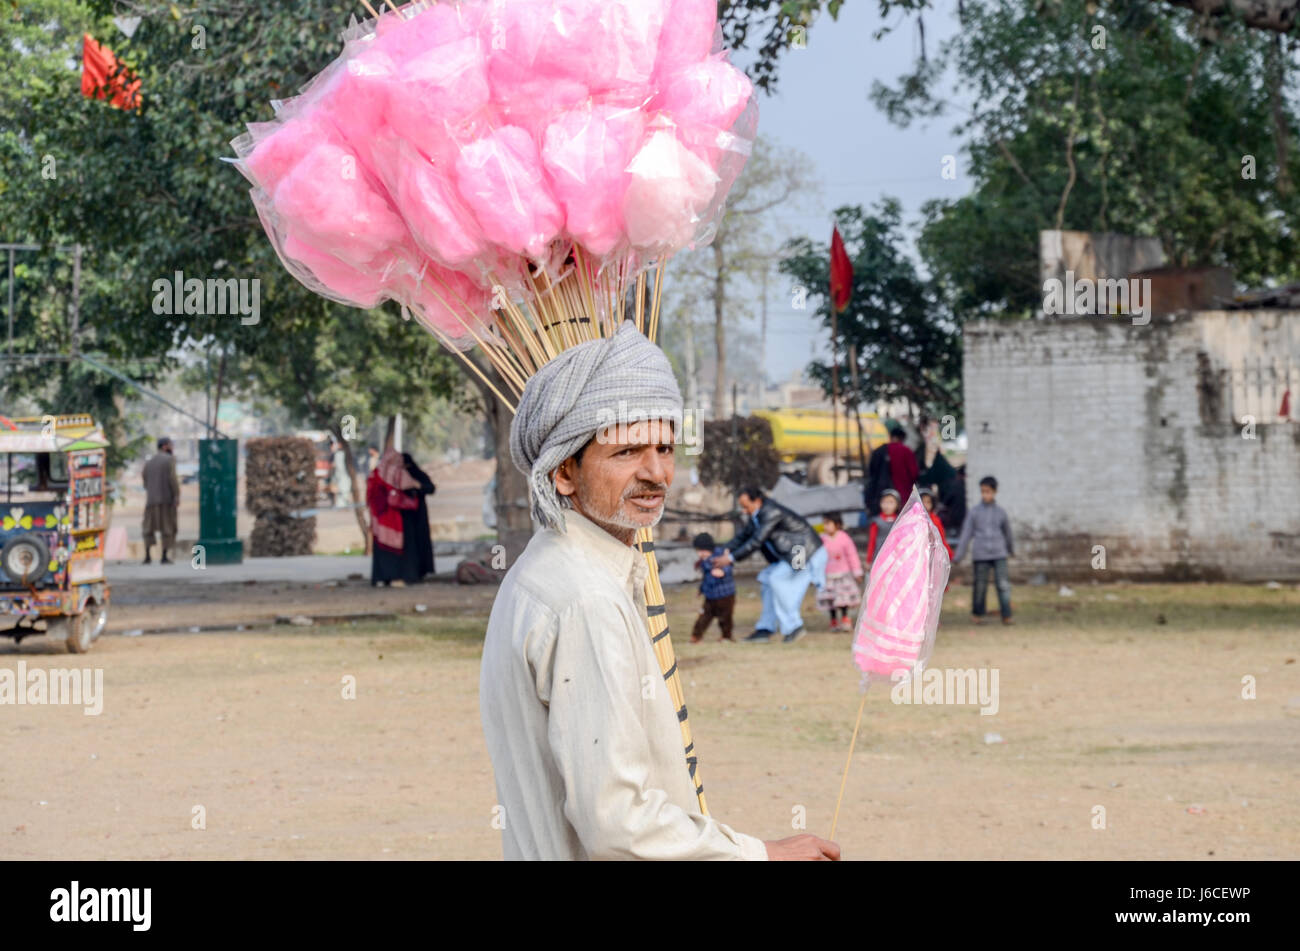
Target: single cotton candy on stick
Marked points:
441	78
900	614
586	153
670	188
439	221
687	35
500	178
342	282
712	93
328	202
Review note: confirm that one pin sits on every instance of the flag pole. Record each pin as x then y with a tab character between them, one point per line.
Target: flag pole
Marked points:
835	389
847	760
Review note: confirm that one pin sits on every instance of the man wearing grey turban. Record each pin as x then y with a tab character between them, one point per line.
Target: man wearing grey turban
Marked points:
583	736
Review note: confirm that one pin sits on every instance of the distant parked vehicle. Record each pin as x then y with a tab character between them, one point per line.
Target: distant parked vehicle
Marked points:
53	519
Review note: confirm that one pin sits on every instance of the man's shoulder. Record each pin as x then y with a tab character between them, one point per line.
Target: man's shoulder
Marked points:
555	572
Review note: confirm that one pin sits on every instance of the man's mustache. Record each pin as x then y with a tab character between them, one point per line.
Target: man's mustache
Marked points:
646	488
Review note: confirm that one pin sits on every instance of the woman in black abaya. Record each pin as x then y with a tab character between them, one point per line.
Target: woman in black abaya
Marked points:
418	549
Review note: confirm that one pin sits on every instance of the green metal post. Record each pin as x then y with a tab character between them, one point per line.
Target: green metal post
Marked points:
218	505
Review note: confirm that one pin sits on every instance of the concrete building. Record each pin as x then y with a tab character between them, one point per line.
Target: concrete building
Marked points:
1169	450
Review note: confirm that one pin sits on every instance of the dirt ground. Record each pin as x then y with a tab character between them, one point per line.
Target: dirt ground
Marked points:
1127	698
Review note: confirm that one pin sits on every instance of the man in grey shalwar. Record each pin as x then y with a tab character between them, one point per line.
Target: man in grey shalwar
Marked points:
162	499
583	736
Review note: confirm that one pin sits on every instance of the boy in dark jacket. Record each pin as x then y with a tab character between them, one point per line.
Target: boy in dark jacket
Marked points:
718	587
987	532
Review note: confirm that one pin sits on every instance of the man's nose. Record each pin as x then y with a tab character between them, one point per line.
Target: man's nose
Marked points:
656	466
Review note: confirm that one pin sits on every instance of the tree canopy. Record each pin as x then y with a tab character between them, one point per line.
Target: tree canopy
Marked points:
1104	118
896	332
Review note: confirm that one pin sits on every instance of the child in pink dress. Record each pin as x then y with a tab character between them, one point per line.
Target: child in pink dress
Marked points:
843	574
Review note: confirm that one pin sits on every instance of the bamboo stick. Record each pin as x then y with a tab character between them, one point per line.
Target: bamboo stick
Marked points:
449	344
849	759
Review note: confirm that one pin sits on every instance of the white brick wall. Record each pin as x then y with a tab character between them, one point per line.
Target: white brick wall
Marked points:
1093	428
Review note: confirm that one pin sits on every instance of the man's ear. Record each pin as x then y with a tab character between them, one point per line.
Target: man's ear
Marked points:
565	483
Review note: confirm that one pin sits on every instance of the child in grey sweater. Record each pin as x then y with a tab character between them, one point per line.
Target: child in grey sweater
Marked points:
987	532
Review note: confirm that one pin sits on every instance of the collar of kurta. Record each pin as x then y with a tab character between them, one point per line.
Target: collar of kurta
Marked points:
625	562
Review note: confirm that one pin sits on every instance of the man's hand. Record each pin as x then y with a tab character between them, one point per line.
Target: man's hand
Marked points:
723	559
803	848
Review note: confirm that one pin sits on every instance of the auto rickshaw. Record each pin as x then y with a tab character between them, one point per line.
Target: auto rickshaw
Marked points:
53	519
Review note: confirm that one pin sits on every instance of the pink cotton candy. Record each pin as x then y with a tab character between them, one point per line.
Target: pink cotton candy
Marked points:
439	221
500	178
712	93
531	105
670	188
456	138
632	29
275	155
586	153
329	203
687	35
900	614
438	86
440	79
355	97
342	282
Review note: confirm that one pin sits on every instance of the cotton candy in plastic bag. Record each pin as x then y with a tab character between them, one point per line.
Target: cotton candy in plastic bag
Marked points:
900	612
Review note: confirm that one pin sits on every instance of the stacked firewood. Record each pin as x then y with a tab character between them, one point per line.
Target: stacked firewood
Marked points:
279	479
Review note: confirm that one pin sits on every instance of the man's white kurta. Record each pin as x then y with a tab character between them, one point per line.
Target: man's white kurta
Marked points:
582	733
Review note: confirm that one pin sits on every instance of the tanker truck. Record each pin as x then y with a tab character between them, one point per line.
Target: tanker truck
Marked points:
808	450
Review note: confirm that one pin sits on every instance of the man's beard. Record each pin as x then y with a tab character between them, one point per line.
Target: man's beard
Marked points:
618	522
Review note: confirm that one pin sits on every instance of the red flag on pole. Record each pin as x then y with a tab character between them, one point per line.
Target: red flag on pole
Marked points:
103	76
841	273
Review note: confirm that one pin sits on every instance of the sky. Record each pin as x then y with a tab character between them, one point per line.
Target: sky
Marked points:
821	107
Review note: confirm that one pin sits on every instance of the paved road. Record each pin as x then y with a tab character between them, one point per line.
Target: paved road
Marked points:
305	569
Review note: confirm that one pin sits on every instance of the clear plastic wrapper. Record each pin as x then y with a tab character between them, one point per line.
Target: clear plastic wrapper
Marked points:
466	143
899	616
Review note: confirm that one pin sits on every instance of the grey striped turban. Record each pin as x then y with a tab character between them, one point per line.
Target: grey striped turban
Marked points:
616	379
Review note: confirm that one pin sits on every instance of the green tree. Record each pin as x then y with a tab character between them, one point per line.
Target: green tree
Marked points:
147	194
778	24
896	340
1104	118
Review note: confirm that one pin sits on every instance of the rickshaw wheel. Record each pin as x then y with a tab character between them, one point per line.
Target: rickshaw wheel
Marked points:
85	627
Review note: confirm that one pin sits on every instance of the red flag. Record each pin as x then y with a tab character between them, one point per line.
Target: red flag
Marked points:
841	273
1285	411
102	75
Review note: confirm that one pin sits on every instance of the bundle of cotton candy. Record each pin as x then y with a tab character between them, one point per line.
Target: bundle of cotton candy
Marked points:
900	613
464	144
